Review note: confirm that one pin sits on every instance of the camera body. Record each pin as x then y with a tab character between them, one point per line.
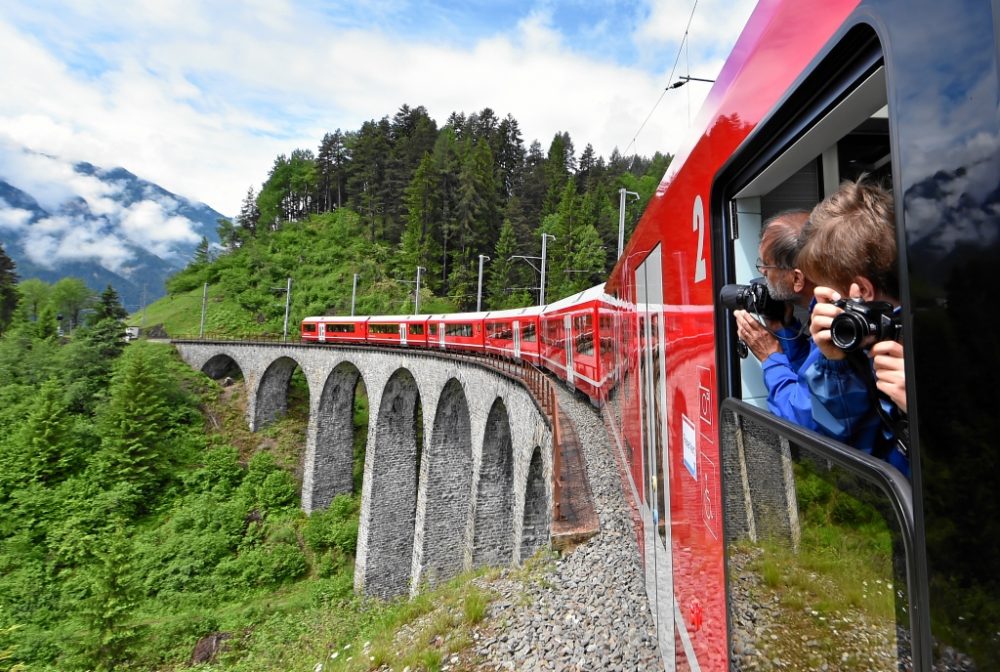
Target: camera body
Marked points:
753	298
864	323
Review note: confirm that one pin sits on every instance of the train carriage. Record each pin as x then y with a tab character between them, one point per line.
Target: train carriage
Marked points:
334	329
456	331
513	333
815	93
570	344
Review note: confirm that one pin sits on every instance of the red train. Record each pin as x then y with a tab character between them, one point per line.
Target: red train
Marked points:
562	337
767	546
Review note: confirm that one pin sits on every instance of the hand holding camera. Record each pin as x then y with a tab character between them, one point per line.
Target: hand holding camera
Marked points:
842	325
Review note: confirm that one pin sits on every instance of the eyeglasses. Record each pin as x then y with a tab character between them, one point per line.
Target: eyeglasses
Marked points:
761	266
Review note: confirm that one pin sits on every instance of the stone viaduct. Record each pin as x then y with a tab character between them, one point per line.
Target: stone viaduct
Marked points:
477	492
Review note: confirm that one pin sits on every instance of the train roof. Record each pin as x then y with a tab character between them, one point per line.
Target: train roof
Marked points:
459	316
515	312
335	318
595	293
399	318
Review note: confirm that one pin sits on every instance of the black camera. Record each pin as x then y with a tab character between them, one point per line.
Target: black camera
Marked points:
753	298
864	323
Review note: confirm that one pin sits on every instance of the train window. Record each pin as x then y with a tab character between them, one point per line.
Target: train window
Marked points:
583	332
417	329
433	329
528	332
309	328
815	553
815	528
383	328
340	328
463	329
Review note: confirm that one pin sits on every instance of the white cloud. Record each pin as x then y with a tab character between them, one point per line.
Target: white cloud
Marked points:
147	224
13	219
200	99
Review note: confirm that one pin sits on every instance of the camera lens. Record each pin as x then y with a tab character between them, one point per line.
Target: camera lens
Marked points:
848	330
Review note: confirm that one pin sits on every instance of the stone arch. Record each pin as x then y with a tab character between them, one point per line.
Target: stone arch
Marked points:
222	366
332	471
272	393
493	536
392	491
447	489
535	530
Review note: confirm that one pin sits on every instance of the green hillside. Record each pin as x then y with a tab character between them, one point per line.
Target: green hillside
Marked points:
246	286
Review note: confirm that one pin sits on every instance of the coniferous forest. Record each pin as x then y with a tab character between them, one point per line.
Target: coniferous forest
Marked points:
140	519
438	197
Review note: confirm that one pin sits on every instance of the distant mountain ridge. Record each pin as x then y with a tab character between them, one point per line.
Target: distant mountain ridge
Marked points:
108	226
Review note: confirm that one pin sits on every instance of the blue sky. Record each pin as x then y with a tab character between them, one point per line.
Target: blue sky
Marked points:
200	96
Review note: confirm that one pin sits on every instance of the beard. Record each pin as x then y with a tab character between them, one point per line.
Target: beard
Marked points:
780	292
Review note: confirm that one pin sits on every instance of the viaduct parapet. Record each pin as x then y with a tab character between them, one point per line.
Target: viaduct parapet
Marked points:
476	491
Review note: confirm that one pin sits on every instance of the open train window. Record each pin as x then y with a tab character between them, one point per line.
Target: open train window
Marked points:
836	521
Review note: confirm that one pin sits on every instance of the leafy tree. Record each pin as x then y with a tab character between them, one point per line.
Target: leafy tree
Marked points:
289	192
8	289
35	295
71	296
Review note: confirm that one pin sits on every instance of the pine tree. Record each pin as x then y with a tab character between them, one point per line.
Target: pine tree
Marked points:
202	255
501	276
249	217
132	445
111	595
48	444
8	290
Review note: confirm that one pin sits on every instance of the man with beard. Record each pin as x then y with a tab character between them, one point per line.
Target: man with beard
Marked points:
782	346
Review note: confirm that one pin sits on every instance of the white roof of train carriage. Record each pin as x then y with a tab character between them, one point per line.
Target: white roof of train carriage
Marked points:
398	318
335	318
459	316
514	312
591	294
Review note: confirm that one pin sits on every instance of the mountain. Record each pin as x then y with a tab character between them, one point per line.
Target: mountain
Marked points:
104	226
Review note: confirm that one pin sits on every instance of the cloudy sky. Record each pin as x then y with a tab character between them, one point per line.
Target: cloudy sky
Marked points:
201	96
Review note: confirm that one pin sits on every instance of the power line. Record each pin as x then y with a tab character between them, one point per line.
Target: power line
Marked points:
670	78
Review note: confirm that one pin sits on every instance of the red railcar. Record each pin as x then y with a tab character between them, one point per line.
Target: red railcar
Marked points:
333	329
513	333
571	345
456	331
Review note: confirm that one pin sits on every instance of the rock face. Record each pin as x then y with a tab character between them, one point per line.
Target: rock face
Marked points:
209	647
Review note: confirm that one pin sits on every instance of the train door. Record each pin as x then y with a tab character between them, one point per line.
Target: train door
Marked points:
322	332
441	334
568	342
402	333
517	339
652	393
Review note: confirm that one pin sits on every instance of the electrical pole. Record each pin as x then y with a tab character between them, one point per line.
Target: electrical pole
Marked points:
288	302
416	302
541	287
479	292
204	300
354	293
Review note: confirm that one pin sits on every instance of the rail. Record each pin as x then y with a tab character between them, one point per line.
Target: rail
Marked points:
534	379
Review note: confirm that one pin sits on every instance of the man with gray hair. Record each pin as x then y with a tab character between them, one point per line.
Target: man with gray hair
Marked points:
782	346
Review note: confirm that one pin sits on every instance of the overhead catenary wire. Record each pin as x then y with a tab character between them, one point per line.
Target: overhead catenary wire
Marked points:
670	78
